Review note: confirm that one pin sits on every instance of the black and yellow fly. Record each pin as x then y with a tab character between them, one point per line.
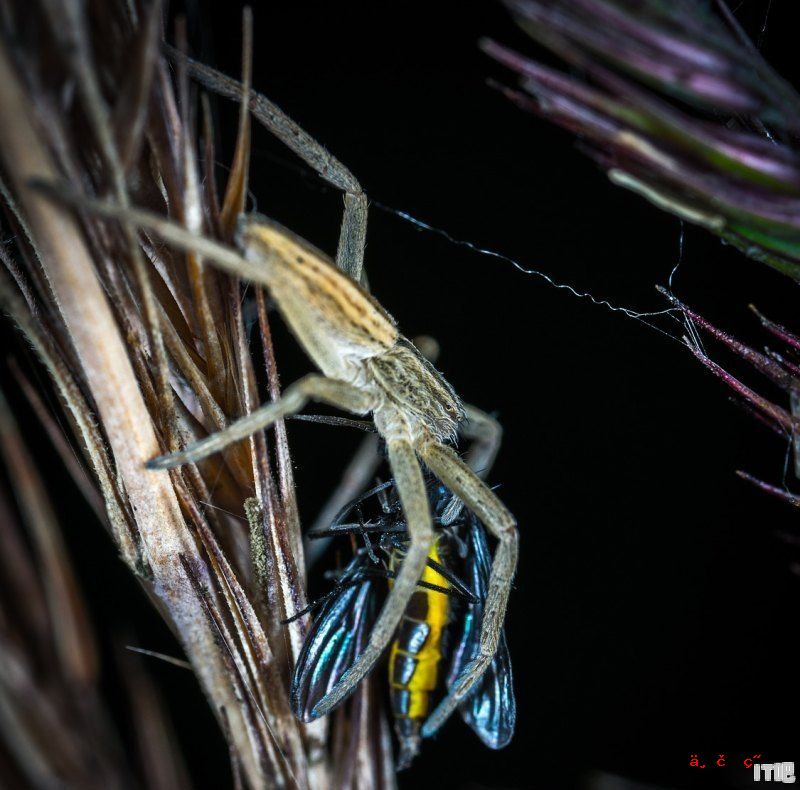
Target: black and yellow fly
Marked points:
439	632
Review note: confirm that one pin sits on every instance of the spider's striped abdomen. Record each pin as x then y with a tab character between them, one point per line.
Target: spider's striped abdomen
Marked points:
415	656
334	318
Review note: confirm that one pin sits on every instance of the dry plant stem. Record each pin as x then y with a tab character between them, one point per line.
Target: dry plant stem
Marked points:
51	716
73	639
78	411
128	427
68	23
163	768
285	473
198	279
60	444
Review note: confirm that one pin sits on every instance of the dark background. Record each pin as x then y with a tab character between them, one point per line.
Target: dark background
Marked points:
654	603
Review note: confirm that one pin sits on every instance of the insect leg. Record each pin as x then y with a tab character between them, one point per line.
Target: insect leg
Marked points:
383	573
457	587
311	387
459	478
352	581
353	234
414	498
358	529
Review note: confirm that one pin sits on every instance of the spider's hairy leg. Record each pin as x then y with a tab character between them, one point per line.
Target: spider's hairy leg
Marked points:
312	387
459	478
485	435
353	236
353	233
414	498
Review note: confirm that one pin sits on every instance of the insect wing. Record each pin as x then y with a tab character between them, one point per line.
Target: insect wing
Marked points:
336	639
491	709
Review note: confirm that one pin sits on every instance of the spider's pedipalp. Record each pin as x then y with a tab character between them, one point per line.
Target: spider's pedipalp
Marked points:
418	403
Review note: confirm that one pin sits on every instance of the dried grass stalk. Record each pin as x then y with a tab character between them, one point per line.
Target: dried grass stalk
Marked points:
147	348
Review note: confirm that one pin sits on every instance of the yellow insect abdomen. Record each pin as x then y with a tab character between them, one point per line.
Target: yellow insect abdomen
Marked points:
416	651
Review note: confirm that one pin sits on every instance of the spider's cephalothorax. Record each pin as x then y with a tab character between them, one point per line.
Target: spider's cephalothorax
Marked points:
438	634
366	367
351	337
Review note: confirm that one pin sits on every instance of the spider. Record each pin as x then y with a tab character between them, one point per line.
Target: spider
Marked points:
367	368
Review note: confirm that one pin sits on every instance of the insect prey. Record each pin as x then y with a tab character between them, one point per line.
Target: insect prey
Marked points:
439	632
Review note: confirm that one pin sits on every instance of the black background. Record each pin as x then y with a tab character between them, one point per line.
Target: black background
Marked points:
654	606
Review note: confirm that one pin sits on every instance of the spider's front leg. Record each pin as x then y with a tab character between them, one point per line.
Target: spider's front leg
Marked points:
459	478
353	233
414	499
312	387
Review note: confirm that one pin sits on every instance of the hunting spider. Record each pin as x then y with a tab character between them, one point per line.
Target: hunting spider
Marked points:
367	367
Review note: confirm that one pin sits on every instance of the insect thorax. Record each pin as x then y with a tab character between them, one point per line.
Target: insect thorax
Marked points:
417	401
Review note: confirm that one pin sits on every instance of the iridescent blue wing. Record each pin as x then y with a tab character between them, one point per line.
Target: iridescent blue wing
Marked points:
490	709
336	639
